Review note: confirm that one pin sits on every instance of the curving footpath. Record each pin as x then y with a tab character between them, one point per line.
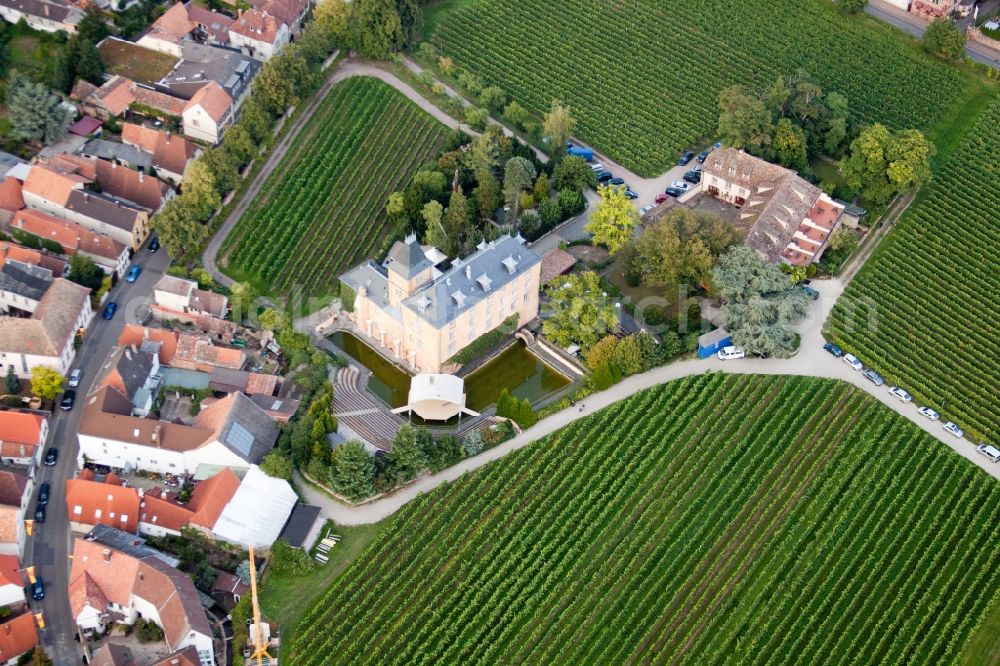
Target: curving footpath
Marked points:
811	360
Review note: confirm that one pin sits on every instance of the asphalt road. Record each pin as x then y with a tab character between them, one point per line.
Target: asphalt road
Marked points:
914	25
48	549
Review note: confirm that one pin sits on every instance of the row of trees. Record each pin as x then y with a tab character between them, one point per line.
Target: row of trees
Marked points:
516	409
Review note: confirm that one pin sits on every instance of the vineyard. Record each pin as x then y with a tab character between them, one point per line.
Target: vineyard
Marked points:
643	76
923	310
322	209
715	519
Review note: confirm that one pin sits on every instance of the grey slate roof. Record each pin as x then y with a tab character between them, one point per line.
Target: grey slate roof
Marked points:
201	63
407	258
8	162
111	151
104	209
375	280
130	544
24	279
299	524
248	430
134	367
472	279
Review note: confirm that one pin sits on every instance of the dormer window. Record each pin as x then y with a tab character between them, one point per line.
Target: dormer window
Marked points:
732	171
459	298
423	303
510	263
484	281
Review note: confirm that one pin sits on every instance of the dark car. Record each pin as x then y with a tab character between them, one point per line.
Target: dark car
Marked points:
685	158
810	292
675	192
833	349
40	513
693	177
154	244
630	194
43	493
616	181
604	176
51	455
68	399
133	273
702	156
38	589
109	310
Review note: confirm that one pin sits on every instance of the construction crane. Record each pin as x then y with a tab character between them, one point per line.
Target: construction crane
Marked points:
259	644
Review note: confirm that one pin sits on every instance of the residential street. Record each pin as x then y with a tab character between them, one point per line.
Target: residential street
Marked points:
914	25
49	547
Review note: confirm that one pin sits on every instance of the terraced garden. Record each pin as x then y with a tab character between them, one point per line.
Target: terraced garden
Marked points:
643	76
923	310
716	519
323	209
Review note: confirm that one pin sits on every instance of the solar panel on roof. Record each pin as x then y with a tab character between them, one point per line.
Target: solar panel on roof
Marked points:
242	67
240	439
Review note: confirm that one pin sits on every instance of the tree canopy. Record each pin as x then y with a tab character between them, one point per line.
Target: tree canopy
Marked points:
744	121
36	113
761	303
682	247
614	219
882	163
557	126
46	382
573	173
352	471
580	312
944	39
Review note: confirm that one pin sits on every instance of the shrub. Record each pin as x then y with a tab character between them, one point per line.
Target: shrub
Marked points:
473	443
288	560
148	632
571	203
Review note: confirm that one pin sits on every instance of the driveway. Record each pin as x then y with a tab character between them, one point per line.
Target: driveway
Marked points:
49	547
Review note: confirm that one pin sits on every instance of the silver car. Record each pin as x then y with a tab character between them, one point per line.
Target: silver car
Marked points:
954	429
852	360
901	394
929	413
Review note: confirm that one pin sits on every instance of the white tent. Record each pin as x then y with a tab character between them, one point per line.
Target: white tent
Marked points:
436	397
257	512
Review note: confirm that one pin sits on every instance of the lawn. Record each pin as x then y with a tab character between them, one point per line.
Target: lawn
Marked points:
323	209
923	309
284	598
135	62
643	77
717	519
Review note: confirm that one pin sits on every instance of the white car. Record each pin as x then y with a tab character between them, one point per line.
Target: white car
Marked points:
597	167
852	360
74	378
901	394
929	413
954	429
646	209
990	452
681	185
730	353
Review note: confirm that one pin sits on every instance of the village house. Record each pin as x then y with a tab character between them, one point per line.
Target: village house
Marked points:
231	432
423	316
110	256
22	286
134	373
292	13
43	259
107	502
183	22
22	437
120	182
108	586
59	187
116	96
169	154
46	338
177	298
258	34
11	199
208	113
11	582
119	153
789	219
44	15
15	495
18	635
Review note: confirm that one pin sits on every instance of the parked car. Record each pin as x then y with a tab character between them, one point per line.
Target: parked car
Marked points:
630	193
596	167
929	413
43	493
154	244
38	589
810	292
852	360
990	452
954	429
874	377
604	176
109	310
716	145
69	397
646	209
51	455
901	394
730	353
616	181
685	158
660	198
833	349
693	177
681	185
133	273
74	378
40	513
703	155
674	192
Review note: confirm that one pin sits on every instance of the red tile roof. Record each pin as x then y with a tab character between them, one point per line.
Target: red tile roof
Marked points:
211	496
10	571
135	335
172	26
52	182
70	235
163	513
93	503
124	183
21	427
17	636
10	194
213	99
256	25
170	152
12	487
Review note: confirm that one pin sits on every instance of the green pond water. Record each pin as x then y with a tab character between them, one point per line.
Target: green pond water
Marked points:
516	369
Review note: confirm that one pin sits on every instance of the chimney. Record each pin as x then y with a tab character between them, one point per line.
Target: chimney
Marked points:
140	492
6	627
86	197
106	553
163	494
156	432
46	8
141	175
468	272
